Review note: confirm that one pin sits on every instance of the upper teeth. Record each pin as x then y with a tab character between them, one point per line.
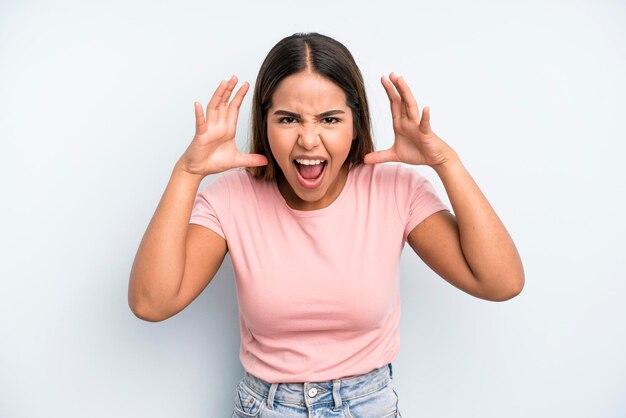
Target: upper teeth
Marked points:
310	162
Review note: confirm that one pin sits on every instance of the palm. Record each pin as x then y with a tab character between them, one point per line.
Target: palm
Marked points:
213	147
407	149
217	144
221	154
414	142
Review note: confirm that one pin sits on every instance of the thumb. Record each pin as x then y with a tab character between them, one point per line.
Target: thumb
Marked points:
377	157
251	160
425	122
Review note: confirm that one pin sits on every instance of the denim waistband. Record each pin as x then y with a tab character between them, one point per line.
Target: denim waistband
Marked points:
330	391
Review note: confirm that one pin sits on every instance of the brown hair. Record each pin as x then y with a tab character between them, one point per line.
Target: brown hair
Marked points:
326	57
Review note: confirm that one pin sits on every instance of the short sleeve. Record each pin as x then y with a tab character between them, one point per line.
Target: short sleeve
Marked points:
211	206
416	197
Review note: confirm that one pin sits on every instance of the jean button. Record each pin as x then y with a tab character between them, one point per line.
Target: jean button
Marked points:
312	392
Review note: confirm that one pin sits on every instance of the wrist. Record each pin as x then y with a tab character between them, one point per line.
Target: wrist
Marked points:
450	162
180	171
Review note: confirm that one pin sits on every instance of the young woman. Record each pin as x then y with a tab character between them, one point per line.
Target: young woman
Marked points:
315	225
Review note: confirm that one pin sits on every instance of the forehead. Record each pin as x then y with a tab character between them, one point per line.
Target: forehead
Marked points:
308	92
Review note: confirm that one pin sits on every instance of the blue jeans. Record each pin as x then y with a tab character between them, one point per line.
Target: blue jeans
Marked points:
370	395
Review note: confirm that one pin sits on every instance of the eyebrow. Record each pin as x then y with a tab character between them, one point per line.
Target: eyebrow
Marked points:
321	115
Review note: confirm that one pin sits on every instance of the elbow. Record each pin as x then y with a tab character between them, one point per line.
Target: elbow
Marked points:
507	296
143	311
146	314
510	285
514	288
141	306
137	310
518	282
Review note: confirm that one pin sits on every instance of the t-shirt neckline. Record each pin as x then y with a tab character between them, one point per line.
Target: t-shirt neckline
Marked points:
316	212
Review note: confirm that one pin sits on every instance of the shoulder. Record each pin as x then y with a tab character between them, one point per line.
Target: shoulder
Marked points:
242	187
233	179
235	176
408	179
390	174
222	185
405	172
376	172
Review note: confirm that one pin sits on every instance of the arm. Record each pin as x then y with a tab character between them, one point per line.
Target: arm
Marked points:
476	254
473	251
175	260
157	270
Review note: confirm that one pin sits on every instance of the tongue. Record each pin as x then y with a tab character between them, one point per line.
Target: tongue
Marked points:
311	171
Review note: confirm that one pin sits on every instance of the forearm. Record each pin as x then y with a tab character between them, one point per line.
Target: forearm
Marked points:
486	244
158	268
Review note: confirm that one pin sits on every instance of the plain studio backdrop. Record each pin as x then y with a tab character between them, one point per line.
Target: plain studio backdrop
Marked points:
97	105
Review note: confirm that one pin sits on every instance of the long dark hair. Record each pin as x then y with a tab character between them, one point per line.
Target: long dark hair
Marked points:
322	55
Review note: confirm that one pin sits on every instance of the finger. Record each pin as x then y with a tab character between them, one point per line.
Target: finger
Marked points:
409	104
425	122
211	107
223	106
394	98
377	157
235	104
393	79
230	86
409	99
200	121
250	160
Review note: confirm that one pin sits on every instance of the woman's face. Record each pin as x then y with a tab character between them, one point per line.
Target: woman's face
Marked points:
309	117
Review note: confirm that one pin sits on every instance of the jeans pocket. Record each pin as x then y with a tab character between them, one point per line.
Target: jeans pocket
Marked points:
399	415
247	402
380	404
393	388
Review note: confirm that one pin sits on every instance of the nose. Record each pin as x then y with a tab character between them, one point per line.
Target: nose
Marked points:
308	135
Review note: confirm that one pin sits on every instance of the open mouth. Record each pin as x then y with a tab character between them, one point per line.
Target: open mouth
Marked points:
310	176
310	172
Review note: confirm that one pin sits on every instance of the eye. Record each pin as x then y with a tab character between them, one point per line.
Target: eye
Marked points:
331	120
286	120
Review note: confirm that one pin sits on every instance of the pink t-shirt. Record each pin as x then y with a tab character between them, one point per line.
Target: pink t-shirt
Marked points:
318	291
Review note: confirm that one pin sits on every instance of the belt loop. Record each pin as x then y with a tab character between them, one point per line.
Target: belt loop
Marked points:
336	395
390	371
270	395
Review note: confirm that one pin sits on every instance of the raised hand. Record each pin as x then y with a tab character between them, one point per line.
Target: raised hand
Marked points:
213	147
414	143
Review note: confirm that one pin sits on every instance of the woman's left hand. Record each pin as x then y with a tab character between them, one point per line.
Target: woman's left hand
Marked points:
414	143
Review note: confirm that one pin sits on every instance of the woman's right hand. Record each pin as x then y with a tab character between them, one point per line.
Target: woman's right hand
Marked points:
213	147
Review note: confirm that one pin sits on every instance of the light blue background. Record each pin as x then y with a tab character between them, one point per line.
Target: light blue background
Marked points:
97	105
